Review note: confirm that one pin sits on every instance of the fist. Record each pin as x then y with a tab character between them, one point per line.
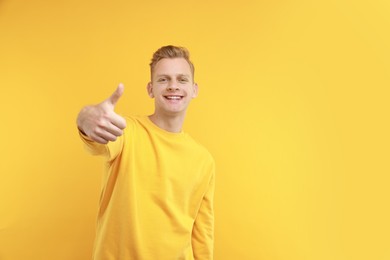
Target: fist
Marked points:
100	122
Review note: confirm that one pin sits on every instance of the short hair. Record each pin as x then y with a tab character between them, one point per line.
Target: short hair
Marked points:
171	52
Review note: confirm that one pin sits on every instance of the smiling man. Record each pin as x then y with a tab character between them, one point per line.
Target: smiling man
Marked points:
157	196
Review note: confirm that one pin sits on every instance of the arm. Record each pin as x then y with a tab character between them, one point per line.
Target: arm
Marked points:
203	230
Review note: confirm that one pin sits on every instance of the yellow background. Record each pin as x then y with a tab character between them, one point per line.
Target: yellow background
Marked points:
293	104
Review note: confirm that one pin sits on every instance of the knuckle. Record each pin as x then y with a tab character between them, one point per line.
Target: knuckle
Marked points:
96	130
106	115
101	122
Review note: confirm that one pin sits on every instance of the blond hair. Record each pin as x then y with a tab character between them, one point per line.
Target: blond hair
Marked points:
171	52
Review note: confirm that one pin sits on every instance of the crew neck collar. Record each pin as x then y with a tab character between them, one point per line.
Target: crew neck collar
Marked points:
162	131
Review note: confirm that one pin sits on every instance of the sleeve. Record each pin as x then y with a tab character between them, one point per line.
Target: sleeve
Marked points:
110	150
203	230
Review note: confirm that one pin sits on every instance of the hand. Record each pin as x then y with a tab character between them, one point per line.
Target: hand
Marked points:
100	122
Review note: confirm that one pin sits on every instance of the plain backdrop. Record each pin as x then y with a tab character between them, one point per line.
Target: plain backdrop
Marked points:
293	105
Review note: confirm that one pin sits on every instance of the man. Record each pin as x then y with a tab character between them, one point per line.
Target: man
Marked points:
157	198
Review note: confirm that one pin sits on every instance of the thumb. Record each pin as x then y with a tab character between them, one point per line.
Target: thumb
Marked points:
116	95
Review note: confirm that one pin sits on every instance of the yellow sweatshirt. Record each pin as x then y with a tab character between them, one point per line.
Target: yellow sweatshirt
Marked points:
157	196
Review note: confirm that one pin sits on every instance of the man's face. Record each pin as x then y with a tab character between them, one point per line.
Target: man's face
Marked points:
172	86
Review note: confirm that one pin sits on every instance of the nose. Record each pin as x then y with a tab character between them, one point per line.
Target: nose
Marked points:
173	86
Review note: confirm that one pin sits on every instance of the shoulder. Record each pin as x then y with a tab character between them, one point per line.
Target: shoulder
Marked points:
202	150
133	122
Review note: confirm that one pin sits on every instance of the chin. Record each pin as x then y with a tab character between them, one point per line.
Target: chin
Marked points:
174	112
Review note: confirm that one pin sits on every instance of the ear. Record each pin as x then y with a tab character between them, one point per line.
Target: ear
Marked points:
149	88
196	90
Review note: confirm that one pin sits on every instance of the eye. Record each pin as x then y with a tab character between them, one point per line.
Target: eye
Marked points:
183	80
161	80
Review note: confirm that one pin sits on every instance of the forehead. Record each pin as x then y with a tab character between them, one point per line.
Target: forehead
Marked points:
172	67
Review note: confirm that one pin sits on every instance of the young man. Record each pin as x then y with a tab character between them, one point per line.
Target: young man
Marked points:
157	198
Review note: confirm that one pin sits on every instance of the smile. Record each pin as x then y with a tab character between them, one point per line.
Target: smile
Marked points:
173	97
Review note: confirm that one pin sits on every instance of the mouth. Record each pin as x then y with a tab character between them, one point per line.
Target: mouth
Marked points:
173	97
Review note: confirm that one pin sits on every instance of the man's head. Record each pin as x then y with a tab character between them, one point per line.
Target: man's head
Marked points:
172	80
171	52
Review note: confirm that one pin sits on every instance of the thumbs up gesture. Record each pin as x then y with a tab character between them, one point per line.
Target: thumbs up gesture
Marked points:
100	122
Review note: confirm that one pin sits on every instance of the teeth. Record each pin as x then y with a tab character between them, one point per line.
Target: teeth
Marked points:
173	97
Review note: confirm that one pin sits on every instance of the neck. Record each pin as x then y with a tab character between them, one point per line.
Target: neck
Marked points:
170	123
